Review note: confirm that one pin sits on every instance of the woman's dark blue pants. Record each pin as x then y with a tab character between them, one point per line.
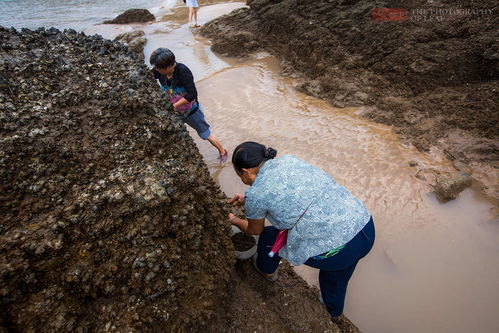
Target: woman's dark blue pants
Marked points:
334	272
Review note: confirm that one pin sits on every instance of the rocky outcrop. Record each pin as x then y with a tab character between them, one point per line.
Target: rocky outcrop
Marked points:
135	41
448	187
232	42
132	16
236	44
110	220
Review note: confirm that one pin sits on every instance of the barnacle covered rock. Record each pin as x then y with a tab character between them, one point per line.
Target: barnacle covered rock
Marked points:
132	16
110	220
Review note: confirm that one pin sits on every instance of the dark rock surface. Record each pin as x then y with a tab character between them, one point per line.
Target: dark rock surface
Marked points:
132	16
135	41
429	79
110	221
448	187
127	37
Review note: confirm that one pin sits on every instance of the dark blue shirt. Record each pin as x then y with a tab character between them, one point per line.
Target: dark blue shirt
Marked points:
181	83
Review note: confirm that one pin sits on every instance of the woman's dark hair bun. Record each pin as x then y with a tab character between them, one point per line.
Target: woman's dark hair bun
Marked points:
251	154
270	153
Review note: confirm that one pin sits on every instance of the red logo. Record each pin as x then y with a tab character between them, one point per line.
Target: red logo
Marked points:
389	14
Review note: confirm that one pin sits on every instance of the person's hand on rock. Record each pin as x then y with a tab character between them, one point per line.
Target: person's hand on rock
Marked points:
237	199
232	218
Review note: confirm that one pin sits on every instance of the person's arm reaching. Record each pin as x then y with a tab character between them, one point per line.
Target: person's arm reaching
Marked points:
237	199
249	226
180	102
255	211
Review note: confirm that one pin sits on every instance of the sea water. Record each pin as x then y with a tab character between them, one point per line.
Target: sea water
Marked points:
74	14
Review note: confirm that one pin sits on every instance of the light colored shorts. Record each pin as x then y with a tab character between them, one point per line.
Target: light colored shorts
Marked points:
192	3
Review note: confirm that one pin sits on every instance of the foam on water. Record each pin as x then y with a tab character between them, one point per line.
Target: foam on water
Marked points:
165	8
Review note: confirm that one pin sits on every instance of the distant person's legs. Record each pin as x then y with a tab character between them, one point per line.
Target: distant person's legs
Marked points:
196	17
193	12
191	15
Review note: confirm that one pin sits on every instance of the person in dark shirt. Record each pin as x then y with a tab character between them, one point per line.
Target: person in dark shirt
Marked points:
176	80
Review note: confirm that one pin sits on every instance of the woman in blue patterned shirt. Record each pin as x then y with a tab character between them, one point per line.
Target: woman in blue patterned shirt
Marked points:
327	227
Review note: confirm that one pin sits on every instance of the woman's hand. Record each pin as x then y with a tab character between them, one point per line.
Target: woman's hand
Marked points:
179	103
232	218
237	199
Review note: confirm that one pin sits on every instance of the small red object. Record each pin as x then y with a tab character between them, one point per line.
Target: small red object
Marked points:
280	241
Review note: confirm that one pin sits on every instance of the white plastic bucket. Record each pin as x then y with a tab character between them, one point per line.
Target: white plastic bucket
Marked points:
244	255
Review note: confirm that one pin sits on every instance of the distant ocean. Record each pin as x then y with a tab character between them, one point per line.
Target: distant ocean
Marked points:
74	14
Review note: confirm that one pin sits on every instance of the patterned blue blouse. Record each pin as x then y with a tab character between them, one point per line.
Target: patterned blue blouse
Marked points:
287	187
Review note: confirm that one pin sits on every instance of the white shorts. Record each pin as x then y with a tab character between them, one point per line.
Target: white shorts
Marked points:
192	3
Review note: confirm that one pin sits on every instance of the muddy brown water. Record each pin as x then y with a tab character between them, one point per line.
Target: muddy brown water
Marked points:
434	267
